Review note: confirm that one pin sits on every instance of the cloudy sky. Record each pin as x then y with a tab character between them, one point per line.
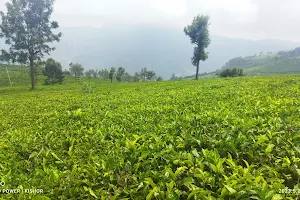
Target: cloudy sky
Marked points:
249	19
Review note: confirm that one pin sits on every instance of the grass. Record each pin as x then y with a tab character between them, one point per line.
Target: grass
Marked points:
233	138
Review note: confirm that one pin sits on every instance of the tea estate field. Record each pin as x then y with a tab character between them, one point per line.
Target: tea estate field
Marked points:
236	138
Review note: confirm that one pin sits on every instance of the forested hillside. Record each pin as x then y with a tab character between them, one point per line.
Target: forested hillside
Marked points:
164	50
280	62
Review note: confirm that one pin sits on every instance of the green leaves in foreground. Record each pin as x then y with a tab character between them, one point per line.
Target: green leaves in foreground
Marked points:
214	139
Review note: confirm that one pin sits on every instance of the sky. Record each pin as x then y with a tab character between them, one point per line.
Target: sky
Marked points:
248	19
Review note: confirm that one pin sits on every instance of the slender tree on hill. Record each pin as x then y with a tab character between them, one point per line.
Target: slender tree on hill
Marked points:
27	29
199	35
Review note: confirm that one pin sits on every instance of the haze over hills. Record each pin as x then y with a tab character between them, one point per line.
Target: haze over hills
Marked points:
165	50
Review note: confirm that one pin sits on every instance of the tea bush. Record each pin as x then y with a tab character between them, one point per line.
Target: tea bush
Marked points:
212	139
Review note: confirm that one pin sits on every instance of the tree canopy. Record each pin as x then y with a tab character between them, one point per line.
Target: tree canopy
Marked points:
53	71
120	73
76	69
233	72
27	30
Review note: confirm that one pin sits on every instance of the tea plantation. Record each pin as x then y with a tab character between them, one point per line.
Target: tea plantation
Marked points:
236	138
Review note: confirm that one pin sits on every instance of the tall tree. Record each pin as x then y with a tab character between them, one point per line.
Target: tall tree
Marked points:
88	74
127	77
159	79
150	75
136	77
143	73
67	72
120	73
95	73
104	73
53	71
76	70
112	73
91	73
199	35
4	57
27	29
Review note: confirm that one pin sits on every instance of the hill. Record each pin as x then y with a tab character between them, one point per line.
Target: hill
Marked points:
165	50
18	75
283	62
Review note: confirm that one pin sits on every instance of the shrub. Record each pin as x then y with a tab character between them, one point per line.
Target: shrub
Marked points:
231	72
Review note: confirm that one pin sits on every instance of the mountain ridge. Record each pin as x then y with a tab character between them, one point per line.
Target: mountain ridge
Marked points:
165	50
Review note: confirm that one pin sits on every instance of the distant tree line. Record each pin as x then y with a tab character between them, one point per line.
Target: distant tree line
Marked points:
120	74
54	74
176	78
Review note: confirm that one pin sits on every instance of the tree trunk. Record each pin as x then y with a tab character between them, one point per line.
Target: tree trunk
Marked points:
197	70
32	73
111	80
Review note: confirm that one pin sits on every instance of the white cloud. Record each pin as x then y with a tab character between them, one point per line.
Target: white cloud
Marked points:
254	19
175	8
129	12
70	7
229	11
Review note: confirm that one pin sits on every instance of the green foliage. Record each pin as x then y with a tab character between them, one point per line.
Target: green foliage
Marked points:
159	79
269	63
112	73
136	77
91	73
104	74
19	75
76	70
88	87
150	75
232	72
220	139
67	72
175	78
27	29
199	35
143	73
53	71
120	74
